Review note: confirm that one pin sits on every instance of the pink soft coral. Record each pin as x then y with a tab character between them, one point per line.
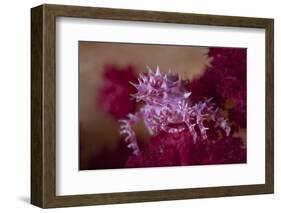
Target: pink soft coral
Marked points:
225	80
178	149
114	94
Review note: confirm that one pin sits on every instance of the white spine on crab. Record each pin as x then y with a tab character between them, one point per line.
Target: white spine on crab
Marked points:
157	73
150	71
186	95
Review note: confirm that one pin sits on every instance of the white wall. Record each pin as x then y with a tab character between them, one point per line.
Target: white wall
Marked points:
15	106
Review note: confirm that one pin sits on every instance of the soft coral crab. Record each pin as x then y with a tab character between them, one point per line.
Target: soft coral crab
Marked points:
169	108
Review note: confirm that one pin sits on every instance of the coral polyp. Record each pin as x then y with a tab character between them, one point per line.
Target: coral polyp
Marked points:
168	107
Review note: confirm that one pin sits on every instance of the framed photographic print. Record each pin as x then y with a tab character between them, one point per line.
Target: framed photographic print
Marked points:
136	106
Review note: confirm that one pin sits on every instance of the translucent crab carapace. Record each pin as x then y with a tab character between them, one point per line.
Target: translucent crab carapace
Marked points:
168	107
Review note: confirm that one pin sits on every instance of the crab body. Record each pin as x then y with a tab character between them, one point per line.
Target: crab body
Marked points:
169	108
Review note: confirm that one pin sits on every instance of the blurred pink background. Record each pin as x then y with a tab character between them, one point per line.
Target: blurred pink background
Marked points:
99	133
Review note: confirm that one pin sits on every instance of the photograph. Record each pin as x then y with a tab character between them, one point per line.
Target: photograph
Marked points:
138	105
159	105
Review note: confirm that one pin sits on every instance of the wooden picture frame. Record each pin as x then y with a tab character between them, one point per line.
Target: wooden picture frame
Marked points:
43	105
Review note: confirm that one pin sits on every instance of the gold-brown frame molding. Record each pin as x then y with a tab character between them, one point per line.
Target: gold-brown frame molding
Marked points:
43	105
